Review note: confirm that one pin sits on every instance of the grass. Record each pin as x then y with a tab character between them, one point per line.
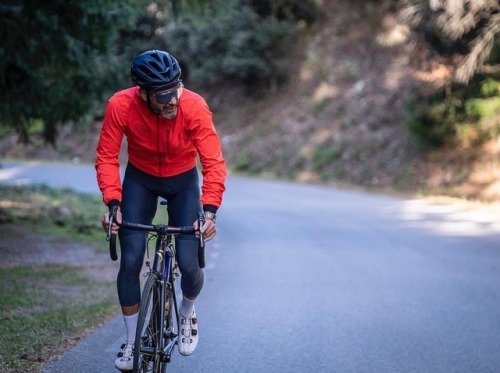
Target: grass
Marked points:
46	308
57	211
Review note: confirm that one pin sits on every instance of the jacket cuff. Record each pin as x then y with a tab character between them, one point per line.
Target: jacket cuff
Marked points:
210	208
113	203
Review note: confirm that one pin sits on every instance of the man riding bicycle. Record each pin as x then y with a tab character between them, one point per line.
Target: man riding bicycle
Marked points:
167	128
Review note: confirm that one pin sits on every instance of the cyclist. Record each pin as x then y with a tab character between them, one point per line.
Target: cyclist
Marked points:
167	127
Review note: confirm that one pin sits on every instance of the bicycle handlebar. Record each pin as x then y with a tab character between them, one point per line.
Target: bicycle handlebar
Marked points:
157	228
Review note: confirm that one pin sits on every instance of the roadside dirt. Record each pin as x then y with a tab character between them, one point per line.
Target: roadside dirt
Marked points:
20	247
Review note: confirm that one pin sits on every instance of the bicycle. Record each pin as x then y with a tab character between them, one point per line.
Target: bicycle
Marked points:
158	323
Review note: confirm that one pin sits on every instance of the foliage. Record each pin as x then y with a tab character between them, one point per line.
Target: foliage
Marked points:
285	10
60	60
243	163
431	121
215	44
200	9
253	50
463	29
323	156
473	110
249	47
53	59
464	34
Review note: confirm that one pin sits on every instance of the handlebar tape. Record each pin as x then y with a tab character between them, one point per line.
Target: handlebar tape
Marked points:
201	256
201	243
112	237
112	248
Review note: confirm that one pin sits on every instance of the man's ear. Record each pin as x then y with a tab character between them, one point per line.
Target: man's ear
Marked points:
143	94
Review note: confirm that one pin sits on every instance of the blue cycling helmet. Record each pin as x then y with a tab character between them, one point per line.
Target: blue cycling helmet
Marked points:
155	70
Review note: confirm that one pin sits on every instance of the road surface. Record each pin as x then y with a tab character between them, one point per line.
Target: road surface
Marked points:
307	279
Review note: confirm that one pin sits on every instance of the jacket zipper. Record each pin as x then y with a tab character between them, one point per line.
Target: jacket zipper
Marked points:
158	145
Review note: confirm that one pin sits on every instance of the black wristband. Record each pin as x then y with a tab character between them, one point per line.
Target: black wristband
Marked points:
113	203
210	208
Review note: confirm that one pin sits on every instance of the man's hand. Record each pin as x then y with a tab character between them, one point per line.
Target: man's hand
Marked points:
208	229
114	227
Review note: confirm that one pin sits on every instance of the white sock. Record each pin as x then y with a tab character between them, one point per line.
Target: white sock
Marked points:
187	306
131	326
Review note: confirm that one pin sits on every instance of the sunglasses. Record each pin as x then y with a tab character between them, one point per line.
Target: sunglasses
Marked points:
165	97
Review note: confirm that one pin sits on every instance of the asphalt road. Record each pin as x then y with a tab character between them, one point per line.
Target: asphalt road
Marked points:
312	279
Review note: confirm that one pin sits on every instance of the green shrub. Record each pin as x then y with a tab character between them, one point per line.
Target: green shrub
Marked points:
243	163
430	121
439	119
249	47
490	87
324	156
483	108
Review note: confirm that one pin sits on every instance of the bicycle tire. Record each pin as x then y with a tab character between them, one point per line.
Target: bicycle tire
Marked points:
149	331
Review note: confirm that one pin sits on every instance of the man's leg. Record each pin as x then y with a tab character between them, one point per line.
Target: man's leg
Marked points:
138	205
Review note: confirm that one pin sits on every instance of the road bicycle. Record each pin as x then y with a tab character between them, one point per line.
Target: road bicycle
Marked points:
158	323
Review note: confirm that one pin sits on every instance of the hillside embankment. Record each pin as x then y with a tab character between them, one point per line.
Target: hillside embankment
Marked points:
340	118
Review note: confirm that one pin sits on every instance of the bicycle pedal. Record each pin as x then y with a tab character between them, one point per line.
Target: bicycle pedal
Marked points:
170	335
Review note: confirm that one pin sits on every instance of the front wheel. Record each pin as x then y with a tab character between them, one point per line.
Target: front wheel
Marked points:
148	340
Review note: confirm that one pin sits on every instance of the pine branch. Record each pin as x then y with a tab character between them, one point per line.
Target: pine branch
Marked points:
481	49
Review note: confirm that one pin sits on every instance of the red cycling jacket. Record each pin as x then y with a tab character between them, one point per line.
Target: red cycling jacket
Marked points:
159	146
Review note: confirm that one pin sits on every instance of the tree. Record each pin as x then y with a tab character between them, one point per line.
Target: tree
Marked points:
466	108
60	58
53	55
461	28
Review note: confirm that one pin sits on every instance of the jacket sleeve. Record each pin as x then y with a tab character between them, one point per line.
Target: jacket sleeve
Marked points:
209	149
107	162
